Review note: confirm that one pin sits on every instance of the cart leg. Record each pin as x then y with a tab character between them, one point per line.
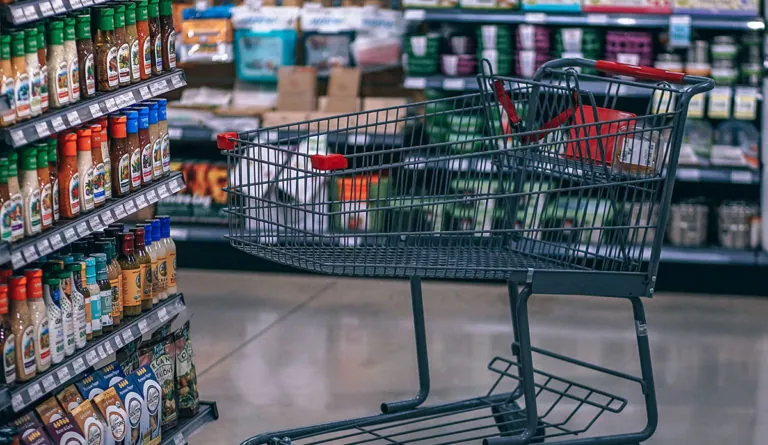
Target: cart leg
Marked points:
421	354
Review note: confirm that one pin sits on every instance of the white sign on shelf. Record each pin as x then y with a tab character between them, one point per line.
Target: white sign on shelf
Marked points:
42	129
162	314
177	81
18	138
164	191
95	110
141	202
82	229
144	91
127	336
79	365
108	349
45	8
70	235
143	325
58	6
17	260
44	247
95	224
75	4
87	3
416	15
120	212
63	374
30	13
453	84
415	83
74	118
18	14
130	207
535	17
178	439
110	104
152	196
29	253
118	342
58	124
49	383
17	403
56	242
741	177
35	391
107	218
91	357
597	19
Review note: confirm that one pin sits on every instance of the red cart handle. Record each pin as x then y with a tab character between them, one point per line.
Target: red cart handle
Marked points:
224	141
329	162
641	72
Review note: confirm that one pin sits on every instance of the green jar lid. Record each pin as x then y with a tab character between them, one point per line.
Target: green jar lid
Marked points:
5	47
69	28
41	36
42	154
29	158
130	14
141	10
106	19
166	8
154	10
56	32
52	156
83	27
3	170
30	40
13	164
17	44
120	16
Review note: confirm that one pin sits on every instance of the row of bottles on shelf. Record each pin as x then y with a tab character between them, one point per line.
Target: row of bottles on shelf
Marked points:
80	169
58	305
54	64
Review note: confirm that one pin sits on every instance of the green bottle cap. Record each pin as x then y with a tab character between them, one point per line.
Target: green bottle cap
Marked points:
120	16
42	154
52	157
166	8
153	9
5	47
13	164
56	32
69	28
83	27
130	14
17	44
30	40
141	10
107	19
29	158
40	36
3	170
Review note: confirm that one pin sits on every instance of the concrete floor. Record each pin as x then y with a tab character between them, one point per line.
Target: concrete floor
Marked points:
278	351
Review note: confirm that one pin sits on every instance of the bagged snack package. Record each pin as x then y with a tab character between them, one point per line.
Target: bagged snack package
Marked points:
147	384
26	425
49	410
112	410
186	376
92	425
69	398
136	408
36	436
91	386
128	356
112	374
65	432
161	357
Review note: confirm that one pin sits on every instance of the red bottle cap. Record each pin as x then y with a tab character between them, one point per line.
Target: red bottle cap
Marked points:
34	283
3	298
68	144
84	139
96	136
18	287
126	241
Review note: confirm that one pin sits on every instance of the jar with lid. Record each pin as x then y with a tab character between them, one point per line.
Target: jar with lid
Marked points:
145	265
132	34
58	69
169	35
170	252
7	87
39	318
23	331
17	213
123	47
134	148
69	192
53	172
42	60
162	124
154	148
131	276
144	37
55	323
162	258
30	191
85	56
70	53
120	156
6	205
155	33
99	196
85	168
46	191
7	340
107	77
33	68
21	76
81	302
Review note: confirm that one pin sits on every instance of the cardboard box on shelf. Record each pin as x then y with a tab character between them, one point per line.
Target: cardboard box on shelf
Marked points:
296	88
322	104
343	90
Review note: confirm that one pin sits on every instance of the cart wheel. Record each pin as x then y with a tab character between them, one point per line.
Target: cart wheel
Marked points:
510	418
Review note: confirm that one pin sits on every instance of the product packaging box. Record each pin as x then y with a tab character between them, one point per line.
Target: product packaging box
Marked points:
296	88
628	6
36	436
91	424
49	410
150	390
69	398
742	8
65	431
552	5
343	90
112	410
27	424
112	374
91	385
134	405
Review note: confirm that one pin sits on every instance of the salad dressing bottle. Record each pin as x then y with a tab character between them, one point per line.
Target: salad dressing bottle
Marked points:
30	191
7	340
51	292
17	211
23	331
39	317
67	315
79	319
81	292
93	289
170	252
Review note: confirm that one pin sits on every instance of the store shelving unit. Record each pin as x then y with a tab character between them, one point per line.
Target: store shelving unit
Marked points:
31	10
180	434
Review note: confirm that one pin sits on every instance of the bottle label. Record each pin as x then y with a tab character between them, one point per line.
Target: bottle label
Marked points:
68	323
107	180
124	63
44	341
8	90
172	49
171	269
158	53
35	81
163	272
33	211
146	163
22	95
28	350
131	287
87	190
157	158
90	75
74	194
17	216
112	70
117	419
46	198
44	87
155	280
98	184
166	154
62	83
9	359
55	199
78	317
136	168
146	281
125	173
6	221
56	329
96	312
116	298
74	80
106	307
135	60
158	277
147	56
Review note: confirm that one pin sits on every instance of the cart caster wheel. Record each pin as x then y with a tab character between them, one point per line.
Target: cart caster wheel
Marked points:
510	419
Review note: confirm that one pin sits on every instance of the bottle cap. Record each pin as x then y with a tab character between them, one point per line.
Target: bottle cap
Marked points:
30	41
90	267
5	274
95	137
132	125
162	112
3	170
53	282
84	139
106	19
103	246
56	32
152	111
153	9
52	143
101	264
17	44
147	234
120	16
42	154
75	268
41	36
117	126
143	116
156	229
5	47
34	283
83	27
141	11
126	242
69	144
29	158
69	28
138	237
166	8
166	225
130	13
13	164
18	288
3	298
79	247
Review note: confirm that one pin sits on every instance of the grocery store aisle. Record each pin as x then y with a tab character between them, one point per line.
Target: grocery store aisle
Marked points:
277	351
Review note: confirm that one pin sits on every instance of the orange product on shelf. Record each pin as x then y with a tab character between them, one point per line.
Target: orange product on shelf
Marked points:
69	178
85	168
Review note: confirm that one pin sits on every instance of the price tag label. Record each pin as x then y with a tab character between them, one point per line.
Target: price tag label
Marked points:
82	229
745	103
155	87
44	247
17	260
46	9
141	202
143	326
127	336
58	124
177	185
416	15
535	17
120	212
56	242
18	15
130	207
108	349
679	31
415	83
152	196
95	224
118	342
111	105
70	235
145	94
79	365
741	177
49	383
107	218
178	439
29	253
64	374
95	110
75	4
719	103
162	314
453	84
597	19
35	392
73	118
128	99
58	6
30	13
100	352
92	357
174	133
87	3
177	82
17	403
18	138
164	192
42	129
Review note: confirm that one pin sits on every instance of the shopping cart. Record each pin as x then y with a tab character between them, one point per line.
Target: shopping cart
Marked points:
557	185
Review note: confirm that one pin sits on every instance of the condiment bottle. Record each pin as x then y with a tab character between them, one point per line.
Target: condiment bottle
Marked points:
99	195
132	127
113	276
105	291
145	265
80	318
69	193
153	11
17	213
23	331
120	156
107	78
6	205
39	318
162	123
30	191
169	35
123	48
170	251
21	76
8	85
58	69
162	266
51	290
53	172
42	60
33	68
131	276
103	122
152	251
113	239
70	54
85	168
67	312
7	340
85	56
145	40
46	191
132	35
81	299
144	140
96	301
153	146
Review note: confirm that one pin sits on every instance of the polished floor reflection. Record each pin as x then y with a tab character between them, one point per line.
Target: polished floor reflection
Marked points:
278	351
